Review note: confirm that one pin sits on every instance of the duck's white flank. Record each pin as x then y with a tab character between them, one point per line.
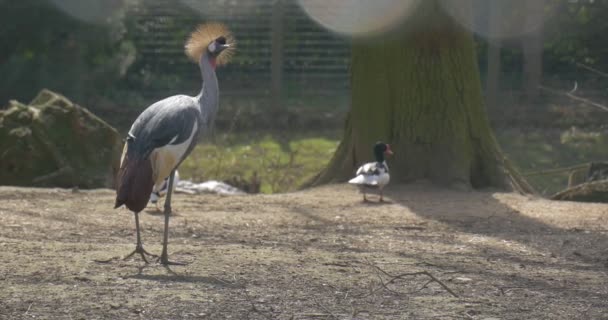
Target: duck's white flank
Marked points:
372	174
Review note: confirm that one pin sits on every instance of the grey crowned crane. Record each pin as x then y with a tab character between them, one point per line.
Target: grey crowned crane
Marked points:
373	176
166	132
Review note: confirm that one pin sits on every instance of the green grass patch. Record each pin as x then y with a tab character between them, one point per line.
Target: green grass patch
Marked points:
282	163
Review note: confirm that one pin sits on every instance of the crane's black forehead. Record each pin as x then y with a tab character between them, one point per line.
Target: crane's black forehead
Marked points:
221	40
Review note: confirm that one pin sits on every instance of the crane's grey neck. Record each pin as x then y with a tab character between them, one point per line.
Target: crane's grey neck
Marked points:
208	98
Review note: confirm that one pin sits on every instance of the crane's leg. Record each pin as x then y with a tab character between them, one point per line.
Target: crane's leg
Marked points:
164	257
139	248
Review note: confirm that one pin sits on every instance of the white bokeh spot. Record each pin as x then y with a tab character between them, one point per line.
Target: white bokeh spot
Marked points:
358	17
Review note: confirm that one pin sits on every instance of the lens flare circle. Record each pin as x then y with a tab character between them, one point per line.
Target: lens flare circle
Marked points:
358	17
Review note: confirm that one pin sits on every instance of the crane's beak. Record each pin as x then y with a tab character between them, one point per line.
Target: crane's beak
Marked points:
222	47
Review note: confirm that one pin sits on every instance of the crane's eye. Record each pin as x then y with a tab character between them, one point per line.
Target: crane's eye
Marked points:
221	40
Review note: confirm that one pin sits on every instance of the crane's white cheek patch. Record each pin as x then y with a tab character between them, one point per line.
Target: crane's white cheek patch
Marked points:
212	47
166	158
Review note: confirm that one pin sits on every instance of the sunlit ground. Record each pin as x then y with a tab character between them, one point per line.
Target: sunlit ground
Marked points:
282	164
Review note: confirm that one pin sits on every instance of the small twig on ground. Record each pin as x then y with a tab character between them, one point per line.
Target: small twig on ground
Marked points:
331	314
402	275
106	260
254	308
384	285
233	284
440	283
356	312
424	285
28	308
336	264
315	315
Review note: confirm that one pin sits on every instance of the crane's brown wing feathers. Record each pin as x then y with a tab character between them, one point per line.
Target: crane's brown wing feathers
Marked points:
134	183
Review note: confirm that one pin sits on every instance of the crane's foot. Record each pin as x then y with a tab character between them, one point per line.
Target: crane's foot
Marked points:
140	249
164	260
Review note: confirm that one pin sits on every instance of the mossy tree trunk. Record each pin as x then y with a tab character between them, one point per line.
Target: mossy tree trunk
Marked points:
420	91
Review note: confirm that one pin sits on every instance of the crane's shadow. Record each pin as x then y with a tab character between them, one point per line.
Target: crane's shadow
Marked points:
173	277
155	212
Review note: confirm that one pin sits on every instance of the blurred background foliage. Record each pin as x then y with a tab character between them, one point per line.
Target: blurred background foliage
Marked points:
285	95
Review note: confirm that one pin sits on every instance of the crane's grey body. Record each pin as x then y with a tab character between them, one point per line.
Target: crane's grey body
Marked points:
166	122
171	121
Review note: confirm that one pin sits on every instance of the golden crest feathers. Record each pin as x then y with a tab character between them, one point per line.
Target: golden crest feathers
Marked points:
201	38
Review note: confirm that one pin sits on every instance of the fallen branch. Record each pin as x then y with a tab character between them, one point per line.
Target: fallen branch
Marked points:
557	170
594	191
573	97
315	315
329	313
588	68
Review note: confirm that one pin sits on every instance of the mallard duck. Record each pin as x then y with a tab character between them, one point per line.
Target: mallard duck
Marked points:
374	176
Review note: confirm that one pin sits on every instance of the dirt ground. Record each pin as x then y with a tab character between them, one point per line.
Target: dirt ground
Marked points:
315	254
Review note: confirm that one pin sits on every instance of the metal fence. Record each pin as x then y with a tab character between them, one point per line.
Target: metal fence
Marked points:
283	59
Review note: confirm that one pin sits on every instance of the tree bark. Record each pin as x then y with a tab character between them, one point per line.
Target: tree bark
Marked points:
420	91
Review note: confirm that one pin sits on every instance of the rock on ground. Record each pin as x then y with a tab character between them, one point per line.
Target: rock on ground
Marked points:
53	142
